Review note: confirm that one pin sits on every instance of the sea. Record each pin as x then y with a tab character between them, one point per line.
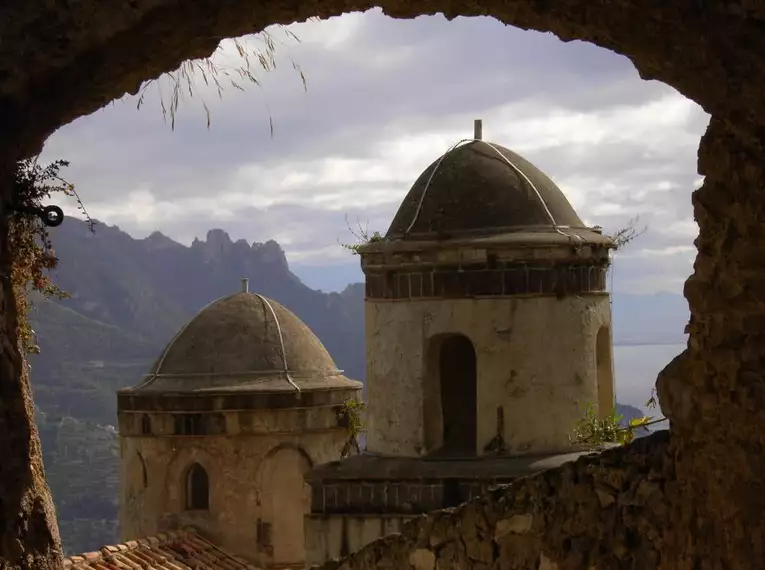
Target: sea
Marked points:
636	368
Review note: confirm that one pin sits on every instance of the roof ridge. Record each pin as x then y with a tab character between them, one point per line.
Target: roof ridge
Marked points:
128	545
155	546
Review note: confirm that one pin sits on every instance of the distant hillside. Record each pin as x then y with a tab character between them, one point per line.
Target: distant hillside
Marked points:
81	467
129	296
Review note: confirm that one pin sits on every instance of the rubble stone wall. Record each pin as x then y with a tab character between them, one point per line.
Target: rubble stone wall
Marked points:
607	511
62	60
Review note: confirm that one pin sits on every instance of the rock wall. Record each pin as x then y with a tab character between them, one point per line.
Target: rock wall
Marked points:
605	512
59	61
28	529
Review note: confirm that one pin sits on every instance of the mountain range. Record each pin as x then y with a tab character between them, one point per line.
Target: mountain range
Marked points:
128	297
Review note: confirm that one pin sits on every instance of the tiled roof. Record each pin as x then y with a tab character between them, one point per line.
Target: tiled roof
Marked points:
180	550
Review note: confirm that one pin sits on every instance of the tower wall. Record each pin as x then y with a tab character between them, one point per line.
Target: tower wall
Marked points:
536	361
254	462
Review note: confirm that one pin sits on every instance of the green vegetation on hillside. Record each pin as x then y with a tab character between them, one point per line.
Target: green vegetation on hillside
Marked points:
81	466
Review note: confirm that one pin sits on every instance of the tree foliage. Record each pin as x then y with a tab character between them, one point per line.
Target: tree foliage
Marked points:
32	252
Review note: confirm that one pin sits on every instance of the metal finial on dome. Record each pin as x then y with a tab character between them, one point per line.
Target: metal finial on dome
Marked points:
478	129
245	285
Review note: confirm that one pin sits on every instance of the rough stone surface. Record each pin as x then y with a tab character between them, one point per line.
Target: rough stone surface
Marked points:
62	60
553	520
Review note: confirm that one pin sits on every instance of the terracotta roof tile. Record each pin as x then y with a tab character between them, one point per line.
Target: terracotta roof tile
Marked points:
182	550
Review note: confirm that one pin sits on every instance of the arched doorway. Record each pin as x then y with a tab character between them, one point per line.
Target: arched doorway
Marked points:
450	396
605	372
285	498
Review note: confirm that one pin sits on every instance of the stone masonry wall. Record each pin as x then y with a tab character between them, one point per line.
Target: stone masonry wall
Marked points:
59	61
601	512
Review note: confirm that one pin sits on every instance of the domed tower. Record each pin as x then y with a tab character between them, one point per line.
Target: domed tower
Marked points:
488	323
239	405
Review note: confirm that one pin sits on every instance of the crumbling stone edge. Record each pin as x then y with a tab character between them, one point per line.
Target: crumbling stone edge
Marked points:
606	510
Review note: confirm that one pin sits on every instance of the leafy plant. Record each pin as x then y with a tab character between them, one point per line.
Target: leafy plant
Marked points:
350	417
362	237
594	430
627	234
29	241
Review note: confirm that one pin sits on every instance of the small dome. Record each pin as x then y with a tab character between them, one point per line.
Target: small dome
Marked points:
236	343
477	189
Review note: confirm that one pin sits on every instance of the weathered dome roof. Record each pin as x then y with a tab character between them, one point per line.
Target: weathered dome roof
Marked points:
241	342
477	188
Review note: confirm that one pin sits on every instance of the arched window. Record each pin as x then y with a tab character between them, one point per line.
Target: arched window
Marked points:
605	372
197	488
451	396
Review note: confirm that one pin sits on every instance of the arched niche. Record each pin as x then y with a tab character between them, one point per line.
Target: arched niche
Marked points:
702	49
604	366
285	499
450	394
176	478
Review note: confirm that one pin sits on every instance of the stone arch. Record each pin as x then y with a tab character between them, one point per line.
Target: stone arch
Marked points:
450	395
604	367
710	52
124	62
197	488
285	498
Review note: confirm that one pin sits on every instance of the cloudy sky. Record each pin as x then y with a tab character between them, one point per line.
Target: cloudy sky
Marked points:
384	99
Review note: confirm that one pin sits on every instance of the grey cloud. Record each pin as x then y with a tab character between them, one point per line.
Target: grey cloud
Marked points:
447	70
350	102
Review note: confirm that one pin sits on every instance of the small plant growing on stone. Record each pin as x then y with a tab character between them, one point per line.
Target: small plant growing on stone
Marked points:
349	417
627	234
592	430
362	237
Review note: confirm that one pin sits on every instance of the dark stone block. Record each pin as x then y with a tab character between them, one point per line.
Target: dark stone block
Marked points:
404	291
330	497
536	280
428	285
317	498
573	280
515	282
415	284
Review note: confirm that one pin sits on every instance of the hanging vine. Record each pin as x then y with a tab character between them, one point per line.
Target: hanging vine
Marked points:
30	245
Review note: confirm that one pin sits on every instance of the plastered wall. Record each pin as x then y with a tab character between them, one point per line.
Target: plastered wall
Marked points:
253	479
536	358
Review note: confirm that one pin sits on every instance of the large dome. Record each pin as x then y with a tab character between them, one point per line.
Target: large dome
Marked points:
482	188
242	342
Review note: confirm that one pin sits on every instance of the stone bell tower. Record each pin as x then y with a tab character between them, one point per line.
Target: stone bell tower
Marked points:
487	316
242	402
487	329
